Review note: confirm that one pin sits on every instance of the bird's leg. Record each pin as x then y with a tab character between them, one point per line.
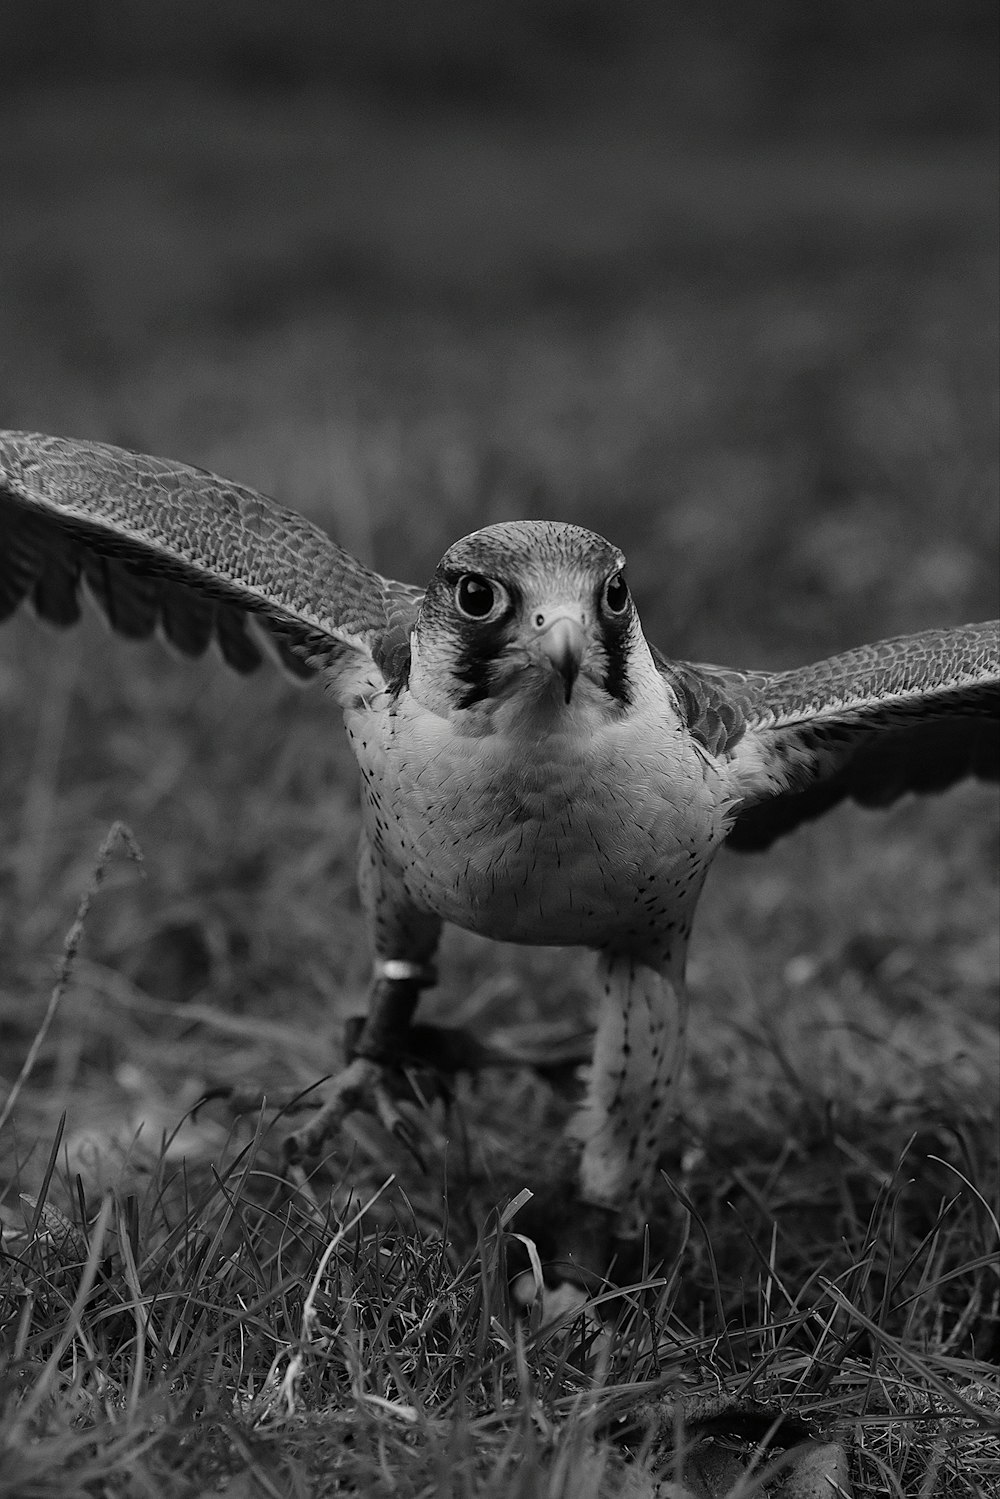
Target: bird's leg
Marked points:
405	939
632	1091
396	986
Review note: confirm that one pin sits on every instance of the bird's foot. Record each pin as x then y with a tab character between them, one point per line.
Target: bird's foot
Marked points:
364	1084
396	1062
417	1070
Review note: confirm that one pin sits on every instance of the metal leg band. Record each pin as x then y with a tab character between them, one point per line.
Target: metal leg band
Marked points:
399	971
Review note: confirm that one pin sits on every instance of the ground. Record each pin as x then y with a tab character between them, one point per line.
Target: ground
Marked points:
770	375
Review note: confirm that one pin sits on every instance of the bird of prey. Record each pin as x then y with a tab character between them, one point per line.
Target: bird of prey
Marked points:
533	768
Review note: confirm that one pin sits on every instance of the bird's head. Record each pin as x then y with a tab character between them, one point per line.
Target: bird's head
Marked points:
535	614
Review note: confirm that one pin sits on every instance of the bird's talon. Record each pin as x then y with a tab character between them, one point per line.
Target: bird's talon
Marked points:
395	1124
364	1085
402	1132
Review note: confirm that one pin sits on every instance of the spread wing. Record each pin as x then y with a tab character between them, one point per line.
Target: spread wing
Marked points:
917	713
163	546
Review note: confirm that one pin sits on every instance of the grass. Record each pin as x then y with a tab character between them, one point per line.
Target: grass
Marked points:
770	375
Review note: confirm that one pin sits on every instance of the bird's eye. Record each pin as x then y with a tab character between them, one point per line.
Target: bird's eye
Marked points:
616	594
477	597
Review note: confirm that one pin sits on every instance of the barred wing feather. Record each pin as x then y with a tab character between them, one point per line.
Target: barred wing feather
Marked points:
917	713
161	545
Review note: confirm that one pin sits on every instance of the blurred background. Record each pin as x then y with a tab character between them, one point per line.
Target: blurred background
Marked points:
694	273
717	280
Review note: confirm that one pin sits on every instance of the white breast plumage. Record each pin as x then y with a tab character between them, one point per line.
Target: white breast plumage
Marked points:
596	834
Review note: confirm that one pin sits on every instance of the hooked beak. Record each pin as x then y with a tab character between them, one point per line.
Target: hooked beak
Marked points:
563	640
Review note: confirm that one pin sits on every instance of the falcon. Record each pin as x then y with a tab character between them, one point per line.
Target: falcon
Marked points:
532	768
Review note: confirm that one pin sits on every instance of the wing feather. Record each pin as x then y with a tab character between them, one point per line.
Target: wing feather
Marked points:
186	617
910	676
917	713
161	545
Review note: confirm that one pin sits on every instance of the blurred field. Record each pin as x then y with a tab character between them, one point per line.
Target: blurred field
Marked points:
768	371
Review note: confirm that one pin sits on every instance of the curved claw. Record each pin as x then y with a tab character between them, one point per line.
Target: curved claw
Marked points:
402	1132
393	1121
352	1089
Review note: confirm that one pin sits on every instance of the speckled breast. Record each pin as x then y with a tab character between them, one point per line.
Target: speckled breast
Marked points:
596	838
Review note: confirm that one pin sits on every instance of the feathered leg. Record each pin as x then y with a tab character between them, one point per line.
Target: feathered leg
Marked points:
631	1098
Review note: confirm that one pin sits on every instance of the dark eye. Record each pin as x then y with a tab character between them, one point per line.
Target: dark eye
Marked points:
616	594
476	596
